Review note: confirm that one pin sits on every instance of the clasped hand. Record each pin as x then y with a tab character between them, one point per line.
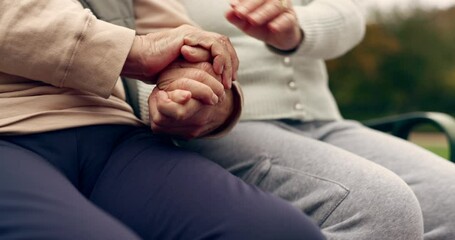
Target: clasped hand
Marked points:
193	70
192	97
185	102
152	53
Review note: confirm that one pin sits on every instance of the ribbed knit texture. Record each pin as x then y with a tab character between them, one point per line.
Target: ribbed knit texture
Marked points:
144	91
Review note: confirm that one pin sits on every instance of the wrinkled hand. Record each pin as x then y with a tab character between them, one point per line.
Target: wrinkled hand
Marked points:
183	111
197	78
152	53
272	21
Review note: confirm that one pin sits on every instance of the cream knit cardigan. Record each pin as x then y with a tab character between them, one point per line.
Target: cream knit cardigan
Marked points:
294	86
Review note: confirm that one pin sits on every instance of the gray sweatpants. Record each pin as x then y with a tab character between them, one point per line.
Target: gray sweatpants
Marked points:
356	183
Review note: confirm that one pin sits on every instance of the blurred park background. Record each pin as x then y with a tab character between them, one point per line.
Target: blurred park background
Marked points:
405	63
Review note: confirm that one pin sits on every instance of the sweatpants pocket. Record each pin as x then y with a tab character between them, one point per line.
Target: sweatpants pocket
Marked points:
258	171
316	196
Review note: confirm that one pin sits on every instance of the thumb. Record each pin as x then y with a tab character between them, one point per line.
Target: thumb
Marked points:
179	96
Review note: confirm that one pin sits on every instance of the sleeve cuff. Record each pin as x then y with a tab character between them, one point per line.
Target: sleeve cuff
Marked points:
224	129
286	52
331	28
314	23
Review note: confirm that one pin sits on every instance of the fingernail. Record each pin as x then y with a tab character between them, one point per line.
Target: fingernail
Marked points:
223	97
214	99
185	96
222	69
242	10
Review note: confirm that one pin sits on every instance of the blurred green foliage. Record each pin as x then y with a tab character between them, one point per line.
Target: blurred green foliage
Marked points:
405	63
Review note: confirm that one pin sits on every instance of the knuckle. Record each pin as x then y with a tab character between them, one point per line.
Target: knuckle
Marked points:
290	18
228	40
200	76
180	114
205	66
224	38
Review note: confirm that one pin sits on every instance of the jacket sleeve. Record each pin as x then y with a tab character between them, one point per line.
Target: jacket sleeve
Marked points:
60	43
331	27
152	15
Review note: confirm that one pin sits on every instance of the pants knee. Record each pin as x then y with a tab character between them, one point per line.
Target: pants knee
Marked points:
397	202
382	204
291	225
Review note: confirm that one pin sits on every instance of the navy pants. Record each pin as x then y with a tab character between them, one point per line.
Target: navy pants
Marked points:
122	182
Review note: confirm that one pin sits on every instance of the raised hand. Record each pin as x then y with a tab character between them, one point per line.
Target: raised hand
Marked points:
152	53
272	21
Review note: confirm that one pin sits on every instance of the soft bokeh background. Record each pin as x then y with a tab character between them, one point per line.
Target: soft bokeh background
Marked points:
405	63
387	5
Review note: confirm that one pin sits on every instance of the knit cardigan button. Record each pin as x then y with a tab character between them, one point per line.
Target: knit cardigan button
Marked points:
298	107
292	85
287	61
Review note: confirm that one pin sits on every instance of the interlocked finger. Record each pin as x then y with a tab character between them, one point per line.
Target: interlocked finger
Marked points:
199	82
225	60
198	90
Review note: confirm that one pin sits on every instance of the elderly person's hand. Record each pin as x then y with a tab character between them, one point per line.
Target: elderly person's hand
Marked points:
182	108
188	118
198	79
153	52
272	21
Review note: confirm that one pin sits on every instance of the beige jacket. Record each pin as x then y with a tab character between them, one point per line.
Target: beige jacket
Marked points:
60	66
